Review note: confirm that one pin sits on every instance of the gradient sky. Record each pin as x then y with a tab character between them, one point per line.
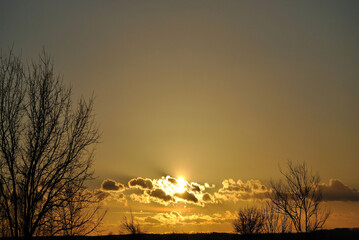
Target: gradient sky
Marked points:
207	90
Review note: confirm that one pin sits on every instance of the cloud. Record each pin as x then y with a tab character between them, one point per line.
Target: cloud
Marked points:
187	196
195	187
168	190
120	197
141	198
143	183
207	197
234	191
172	217
157	195
207	185
111	185
152	220
336	190
176	218
101	195
172	180
160	194
106	196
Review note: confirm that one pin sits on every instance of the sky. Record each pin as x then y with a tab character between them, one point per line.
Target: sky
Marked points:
219	94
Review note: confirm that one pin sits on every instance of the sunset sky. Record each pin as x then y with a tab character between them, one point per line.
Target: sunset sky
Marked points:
200	102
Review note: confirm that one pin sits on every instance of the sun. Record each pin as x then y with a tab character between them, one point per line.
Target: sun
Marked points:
181	185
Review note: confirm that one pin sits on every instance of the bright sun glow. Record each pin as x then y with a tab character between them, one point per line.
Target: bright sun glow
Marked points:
181	185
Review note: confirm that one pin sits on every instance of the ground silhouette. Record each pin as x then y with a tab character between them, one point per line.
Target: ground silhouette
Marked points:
343	233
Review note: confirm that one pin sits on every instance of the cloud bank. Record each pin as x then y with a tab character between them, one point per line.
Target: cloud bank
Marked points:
168	190
336	190
235	191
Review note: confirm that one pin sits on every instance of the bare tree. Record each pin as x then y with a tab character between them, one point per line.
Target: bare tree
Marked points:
45	144
80	214
249	220
274	221
298	196
130	226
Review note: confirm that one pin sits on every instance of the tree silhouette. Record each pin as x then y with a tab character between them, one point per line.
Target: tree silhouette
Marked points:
298	196
249	220
275	222
46	145
80	214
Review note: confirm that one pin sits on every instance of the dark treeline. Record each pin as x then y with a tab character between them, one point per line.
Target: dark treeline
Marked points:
317	235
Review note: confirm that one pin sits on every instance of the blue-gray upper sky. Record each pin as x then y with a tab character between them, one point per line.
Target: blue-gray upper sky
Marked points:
206	89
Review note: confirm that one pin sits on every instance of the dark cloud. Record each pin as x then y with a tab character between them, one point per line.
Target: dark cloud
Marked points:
112	185
187	196
143	183
172	180
195	187
160	194
336	190
207	197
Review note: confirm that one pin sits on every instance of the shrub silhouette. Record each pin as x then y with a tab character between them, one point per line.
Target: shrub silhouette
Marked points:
130	226
249	220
